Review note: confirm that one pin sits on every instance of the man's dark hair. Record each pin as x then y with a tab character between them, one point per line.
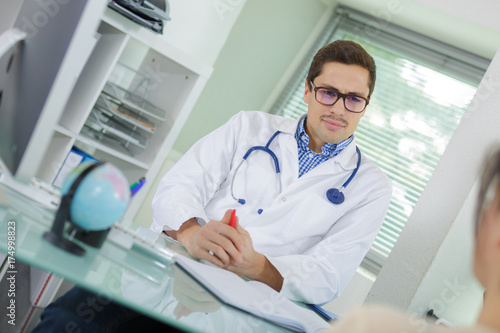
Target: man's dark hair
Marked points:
345	52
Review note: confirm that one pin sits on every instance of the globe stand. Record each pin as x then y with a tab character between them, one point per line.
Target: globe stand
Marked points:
79	229
64	243
56	235
91	238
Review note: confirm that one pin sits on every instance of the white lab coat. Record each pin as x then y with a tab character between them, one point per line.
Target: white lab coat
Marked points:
314	244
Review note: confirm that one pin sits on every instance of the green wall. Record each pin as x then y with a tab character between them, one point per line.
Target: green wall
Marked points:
262	43
264	40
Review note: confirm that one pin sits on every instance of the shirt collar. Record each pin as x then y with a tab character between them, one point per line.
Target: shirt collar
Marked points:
328	149
347	159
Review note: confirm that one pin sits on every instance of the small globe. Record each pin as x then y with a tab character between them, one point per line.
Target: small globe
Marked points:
100	199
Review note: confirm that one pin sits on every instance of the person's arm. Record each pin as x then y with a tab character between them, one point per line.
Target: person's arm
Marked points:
255	265
184	191
231	248
262	271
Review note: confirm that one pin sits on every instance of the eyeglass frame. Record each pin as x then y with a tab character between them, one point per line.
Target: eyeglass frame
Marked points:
339	95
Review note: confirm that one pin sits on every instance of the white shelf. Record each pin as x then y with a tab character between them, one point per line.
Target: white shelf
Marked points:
176	83
102	147
98	67
155	42
101	40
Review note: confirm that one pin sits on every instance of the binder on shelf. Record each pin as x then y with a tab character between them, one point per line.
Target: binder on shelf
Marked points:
74	158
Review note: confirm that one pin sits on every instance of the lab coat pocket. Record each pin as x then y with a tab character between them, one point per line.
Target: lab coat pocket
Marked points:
311	221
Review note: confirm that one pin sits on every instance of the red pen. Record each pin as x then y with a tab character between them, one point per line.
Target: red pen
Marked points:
233	219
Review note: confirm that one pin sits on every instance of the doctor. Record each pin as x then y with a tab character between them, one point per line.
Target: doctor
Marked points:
309	205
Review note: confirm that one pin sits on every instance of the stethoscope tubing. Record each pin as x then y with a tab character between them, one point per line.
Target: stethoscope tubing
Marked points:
249	151
334	196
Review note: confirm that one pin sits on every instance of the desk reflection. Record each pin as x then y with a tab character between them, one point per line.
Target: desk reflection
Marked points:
182	299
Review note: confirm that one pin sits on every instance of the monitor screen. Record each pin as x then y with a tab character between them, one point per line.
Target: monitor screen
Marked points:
11	43
28	69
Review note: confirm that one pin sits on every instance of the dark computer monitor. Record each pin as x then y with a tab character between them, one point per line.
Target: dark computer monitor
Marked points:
11	46
28	68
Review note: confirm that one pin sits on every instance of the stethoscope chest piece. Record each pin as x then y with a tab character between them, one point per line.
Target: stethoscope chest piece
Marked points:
335	196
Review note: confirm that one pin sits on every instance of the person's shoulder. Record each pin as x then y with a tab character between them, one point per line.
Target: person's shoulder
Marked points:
379	319
469	329
375	171
258	115
261	119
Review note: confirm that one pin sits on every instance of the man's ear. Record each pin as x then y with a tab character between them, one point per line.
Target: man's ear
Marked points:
306	92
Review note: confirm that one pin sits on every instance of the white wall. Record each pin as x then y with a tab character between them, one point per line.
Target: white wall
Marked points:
449	286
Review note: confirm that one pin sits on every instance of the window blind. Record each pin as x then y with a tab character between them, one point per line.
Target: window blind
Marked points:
422	91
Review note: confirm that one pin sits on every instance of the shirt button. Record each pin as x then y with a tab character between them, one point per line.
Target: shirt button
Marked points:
311	155
283	199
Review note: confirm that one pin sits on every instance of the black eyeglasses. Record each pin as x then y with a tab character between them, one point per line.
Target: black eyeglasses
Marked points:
328	97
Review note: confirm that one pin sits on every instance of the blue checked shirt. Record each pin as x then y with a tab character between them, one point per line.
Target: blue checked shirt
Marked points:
308	159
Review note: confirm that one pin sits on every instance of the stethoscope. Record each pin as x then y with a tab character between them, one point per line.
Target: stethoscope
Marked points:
334	195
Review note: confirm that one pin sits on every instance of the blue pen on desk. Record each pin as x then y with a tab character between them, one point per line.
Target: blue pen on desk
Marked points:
135	187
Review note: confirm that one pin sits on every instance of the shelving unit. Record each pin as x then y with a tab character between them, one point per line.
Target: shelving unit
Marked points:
103	47
111	94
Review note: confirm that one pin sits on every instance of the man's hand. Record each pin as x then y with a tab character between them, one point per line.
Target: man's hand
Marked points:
227	247
216	241
255	265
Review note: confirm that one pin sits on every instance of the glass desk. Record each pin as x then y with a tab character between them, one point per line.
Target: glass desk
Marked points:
124	271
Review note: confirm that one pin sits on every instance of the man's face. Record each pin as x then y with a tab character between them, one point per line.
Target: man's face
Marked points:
334	124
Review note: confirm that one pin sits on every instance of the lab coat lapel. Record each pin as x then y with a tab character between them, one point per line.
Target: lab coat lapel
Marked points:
289	155
289	159
345	161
